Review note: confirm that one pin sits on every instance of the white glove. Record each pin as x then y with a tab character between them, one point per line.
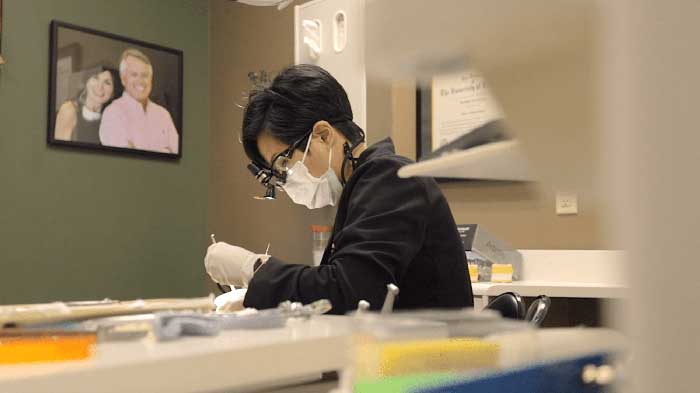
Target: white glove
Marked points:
231	265
230	301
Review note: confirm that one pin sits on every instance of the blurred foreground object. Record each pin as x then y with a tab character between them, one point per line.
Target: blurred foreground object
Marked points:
602	96
410	351
27	314
46	346
539	60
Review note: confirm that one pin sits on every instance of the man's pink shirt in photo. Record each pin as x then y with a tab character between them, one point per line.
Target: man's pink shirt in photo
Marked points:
125	123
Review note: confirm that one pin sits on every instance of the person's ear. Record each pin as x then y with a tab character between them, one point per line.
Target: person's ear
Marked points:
324	131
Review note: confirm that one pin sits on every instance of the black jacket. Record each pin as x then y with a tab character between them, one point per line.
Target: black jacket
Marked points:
387	230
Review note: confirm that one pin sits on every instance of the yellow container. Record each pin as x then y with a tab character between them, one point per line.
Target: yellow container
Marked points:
45	347
381	359
473	272
501	272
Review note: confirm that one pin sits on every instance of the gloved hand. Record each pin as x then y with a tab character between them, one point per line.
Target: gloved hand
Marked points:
230	301
231	265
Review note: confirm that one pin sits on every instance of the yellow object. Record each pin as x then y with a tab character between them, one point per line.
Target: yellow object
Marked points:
473	273
425	356
501	272
43	347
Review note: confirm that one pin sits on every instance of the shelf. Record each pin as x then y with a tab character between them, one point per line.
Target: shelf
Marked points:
600	274
494	161
551	289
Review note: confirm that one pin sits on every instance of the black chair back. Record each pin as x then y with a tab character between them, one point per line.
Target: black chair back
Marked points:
538	310
509	304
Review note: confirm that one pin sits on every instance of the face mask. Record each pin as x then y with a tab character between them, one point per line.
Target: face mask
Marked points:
312	192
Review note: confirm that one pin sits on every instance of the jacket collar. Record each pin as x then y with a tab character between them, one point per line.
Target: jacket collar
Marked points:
382	148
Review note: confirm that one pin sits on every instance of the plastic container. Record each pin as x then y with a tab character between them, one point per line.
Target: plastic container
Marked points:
45	346
421	343
484	270
473	272
483	266
321	236
502	272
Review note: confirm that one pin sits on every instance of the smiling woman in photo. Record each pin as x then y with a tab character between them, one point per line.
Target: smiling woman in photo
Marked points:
79	120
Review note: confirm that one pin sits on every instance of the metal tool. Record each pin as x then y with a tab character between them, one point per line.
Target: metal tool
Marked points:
298	310
362	306
391	292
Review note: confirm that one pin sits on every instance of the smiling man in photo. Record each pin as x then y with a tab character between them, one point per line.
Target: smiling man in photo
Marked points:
133	120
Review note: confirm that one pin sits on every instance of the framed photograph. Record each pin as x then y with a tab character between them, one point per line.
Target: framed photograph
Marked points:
2	61
113	93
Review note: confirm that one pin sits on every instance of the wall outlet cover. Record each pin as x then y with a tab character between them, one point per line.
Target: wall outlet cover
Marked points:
566	203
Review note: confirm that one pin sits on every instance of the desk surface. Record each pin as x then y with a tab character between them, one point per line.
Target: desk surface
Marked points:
236	359
551	289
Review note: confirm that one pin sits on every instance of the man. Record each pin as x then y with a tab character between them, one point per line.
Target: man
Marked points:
133	120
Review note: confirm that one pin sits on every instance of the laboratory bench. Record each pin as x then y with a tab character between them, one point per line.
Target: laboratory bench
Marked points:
595	292
579	283
290	359
295	355
233	361
551	289
280	360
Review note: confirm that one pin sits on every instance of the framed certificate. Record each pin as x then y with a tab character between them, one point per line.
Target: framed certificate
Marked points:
456	109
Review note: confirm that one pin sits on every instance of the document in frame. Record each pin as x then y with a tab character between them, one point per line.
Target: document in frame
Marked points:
461	102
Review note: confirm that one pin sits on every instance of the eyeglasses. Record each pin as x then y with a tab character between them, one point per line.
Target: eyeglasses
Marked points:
275	175
280	163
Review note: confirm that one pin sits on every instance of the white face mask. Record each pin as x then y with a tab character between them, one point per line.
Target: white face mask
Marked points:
312	192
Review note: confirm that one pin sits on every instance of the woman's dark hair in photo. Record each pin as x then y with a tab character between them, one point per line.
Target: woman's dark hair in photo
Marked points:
298	97
118	89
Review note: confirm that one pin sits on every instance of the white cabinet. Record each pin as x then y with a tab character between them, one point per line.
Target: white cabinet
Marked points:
330	34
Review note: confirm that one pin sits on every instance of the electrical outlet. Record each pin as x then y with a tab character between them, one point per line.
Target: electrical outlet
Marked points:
566	203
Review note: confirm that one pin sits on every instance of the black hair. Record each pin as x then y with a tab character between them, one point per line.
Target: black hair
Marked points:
117	88
299	96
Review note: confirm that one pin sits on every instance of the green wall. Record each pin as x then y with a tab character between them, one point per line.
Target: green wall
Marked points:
85	225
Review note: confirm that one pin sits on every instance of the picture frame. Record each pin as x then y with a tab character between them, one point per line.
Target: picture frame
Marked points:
455	112
110	93
2	60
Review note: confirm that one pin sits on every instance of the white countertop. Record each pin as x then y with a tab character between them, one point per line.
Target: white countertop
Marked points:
551	289
236	360
241	360
566	273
